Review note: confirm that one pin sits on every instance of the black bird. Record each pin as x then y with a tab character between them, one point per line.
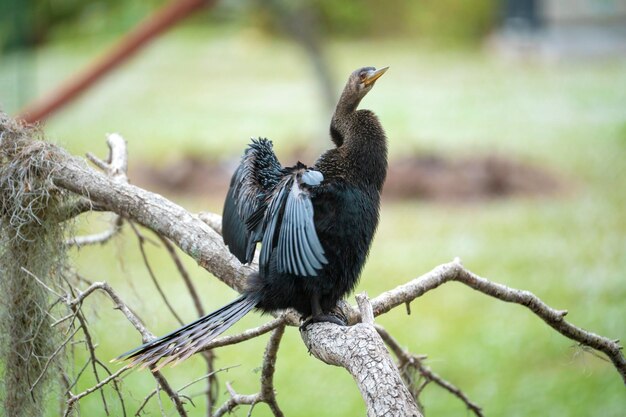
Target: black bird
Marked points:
315	225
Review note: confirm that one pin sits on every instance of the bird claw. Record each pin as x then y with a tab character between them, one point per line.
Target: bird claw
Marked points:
324	318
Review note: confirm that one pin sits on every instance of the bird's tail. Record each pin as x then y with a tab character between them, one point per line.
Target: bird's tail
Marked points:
184	342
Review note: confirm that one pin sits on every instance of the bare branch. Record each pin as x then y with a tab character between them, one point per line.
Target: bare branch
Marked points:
454	271
92	355
266	394
43	284
74	398
406	359
174	397
214	221
236	400
75	303
51	358
187	385
141	240
184	275
97	238
119	305
245	335
365	308
116	166
269	366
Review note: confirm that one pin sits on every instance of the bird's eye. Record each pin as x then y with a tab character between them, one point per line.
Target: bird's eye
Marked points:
362	76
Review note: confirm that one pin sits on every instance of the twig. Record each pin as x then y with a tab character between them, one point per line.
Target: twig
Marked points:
365	307
92	354
154	392
266	393
174	397
211	392
158	395
117	165
187	385
184	274
119	305
51	358
43	284
94	360
236	400
245	335
116	386
74	398
406	358
97	238
141	240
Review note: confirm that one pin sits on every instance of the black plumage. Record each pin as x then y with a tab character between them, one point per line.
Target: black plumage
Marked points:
315	225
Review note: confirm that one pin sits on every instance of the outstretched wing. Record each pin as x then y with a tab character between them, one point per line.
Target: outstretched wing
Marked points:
257	174
289	234
270	204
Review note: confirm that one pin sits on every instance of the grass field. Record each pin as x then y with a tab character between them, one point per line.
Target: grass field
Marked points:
196	90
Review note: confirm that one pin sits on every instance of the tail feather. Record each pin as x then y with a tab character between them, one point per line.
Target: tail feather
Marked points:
184	342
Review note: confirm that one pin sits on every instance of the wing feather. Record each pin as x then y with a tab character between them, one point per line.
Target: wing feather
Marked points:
244	207
298	250
270	204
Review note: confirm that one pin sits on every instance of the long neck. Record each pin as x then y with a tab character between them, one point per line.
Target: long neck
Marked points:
348	102
344	112
362	144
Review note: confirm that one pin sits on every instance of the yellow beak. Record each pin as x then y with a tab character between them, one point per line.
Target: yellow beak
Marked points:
374	75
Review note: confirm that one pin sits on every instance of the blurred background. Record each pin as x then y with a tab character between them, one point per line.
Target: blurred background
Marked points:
507	132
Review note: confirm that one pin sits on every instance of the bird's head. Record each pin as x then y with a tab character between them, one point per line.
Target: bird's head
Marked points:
362	80
359	84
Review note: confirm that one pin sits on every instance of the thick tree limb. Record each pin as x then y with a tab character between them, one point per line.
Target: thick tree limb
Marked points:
153	211
362	352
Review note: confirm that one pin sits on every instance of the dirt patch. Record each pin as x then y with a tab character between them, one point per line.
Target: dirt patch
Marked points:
426	177
478	177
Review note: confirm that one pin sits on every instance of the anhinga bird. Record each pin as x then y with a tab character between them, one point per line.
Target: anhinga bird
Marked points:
315	225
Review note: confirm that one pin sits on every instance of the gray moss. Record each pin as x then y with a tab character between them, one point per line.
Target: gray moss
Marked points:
31	239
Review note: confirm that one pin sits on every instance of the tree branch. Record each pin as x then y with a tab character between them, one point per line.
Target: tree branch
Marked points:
361	351
454	271
266	394
97	238
407	359
153	211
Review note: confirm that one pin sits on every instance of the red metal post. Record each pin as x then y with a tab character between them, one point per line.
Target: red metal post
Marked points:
154	25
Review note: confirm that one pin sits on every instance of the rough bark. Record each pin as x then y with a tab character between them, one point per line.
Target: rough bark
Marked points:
155	212
362	352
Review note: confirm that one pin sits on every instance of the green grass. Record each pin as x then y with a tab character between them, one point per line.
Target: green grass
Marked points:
201	91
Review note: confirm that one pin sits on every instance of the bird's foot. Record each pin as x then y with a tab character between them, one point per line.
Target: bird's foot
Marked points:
333	317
